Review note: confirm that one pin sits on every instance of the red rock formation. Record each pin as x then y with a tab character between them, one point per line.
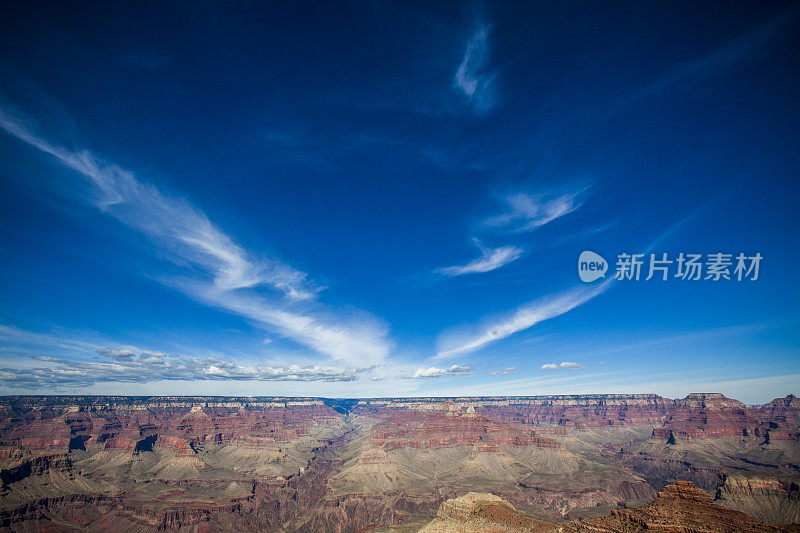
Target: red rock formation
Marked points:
707	415
449	427
679	507
119	443
780	419
700	416
179	447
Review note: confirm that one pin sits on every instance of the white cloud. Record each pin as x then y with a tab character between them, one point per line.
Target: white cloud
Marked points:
117	353
147	367
523	318
220	269
526	212
434	372
504	372
471	77
490	259
130	364
565	364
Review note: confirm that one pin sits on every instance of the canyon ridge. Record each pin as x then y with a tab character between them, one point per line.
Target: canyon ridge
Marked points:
588	463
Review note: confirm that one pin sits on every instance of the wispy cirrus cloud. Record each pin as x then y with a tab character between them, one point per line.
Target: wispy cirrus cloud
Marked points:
472	78
221	273
741	48
527	212
435	372
490	259
493	329
565	364
357	339
524	317
172	222
20	341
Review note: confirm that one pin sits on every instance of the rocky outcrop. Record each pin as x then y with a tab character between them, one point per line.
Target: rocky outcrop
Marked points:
432	429
707	416
780	419
771	499
679	507
33	467
179	447
701	416
660	470
478	512
564	499
78	509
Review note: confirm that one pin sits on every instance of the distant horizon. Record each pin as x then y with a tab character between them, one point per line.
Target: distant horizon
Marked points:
495	396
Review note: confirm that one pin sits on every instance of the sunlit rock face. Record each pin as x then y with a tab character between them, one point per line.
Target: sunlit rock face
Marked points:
589	463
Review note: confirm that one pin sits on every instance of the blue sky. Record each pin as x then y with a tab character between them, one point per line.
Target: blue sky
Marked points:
377	199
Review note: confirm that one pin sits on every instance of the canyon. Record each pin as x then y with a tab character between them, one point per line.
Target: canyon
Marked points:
595	463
